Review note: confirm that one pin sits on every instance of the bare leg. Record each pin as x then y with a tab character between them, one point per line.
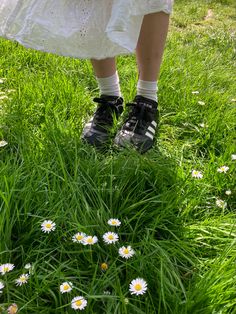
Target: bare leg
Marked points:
140	127
151	45
104	68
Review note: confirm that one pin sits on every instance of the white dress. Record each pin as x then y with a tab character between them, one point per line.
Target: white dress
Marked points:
77	28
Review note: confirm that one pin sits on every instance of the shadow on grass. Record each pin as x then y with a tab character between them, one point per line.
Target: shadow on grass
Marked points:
81	188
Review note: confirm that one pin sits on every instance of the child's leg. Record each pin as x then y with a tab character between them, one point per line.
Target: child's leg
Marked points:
107	76
105	67
139	129
149	52
151	45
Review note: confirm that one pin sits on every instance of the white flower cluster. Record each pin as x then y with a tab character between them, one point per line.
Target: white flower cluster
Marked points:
137	286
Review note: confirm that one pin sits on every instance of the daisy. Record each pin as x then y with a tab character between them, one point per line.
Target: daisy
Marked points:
66	287
197	174
106	292
104	266
12	309
22	279
1	285
138	286
223	169
48	226
233	156
114	222
78	303
78	237
203	125
201	103
5	268
89	240
110	237
126	252
27	266
228	192
3	143
220	203
126	300
30	268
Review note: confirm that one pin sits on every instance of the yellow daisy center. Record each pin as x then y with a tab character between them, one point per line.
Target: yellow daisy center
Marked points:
90	240
78	303
22	279
110	237
48	226
79	237
104	266
113	222
6	268
126	251
66	287
138	287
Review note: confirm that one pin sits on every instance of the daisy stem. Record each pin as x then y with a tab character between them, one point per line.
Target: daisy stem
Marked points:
91	255
7	289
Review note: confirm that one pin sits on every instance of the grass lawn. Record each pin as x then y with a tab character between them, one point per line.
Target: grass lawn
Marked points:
182	228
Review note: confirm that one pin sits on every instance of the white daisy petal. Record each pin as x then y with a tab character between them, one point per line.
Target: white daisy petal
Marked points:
5	268
3	143
27	266
48	226
114	222
89	240
138	286
203	125
110	237
223	169
78	237
66	287
201	103
126	252
228	192
197	174
78	303
1	285
12	309
23	279
220	203
233	156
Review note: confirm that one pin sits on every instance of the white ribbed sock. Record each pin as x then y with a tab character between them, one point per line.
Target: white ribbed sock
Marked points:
147	89
109	85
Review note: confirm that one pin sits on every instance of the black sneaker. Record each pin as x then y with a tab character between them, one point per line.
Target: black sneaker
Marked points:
97	131
140	127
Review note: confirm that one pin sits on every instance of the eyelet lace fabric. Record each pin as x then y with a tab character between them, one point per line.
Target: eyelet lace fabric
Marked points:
77	28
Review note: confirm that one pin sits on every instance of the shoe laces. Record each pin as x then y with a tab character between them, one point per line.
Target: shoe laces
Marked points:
139	115
106	110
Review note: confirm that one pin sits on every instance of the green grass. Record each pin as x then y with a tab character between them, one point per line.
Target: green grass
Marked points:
185	244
